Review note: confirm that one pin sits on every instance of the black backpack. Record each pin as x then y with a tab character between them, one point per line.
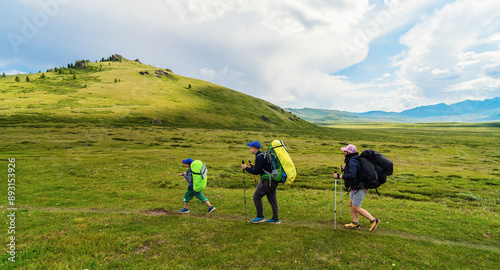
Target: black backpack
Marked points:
375	168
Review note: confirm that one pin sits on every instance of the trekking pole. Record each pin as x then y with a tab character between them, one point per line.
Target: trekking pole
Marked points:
244	192
335	217
341	189
341	198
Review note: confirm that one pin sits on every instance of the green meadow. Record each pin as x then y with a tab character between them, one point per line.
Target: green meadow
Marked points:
93	197
96	183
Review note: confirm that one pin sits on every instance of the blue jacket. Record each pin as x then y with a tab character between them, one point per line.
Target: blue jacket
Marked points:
352	171
261	164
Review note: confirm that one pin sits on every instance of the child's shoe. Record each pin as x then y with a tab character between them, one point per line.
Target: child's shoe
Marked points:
183	211
210	209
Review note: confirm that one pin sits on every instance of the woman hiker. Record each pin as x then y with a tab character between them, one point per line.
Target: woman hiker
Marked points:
358	192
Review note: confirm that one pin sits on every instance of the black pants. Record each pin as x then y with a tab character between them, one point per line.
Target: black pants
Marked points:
264	189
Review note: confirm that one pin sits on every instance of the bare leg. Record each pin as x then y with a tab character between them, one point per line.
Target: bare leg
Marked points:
355	214
361	211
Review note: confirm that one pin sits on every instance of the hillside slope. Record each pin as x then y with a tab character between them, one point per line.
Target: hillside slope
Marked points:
131	93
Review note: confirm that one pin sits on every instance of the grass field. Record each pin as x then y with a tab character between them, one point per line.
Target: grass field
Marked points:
94	195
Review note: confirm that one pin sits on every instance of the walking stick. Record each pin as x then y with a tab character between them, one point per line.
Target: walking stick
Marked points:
244	192
335	217
340	209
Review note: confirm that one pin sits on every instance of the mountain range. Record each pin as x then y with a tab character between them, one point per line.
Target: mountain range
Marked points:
466	111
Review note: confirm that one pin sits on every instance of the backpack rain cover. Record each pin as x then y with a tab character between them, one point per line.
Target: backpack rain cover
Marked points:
199	175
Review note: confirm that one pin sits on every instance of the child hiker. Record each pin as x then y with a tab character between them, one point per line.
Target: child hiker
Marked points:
190	193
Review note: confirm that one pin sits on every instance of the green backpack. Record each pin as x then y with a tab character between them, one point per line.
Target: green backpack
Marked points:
282	167
199	175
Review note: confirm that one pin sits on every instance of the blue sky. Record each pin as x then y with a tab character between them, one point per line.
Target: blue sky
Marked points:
348	55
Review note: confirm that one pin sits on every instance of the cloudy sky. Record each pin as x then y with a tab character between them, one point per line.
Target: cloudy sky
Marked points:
352	55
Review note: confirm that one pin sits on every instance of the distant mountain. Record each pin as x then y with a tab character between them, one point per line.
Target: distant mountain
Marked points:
465	111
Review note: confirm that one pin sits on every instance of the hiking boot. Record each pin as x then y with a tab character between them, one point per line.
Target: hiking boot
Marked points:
273	221
258	220
210	209
374	225
183	211
352	226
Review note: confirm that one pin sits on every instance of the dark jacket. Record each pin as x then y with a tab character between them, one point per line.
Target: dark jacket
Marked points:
261	164
188	175
352	171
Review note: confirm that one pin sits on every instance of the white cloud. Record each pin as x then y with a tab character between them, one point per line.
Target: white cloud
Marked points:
479	84
441	57
223	74
284	51
11	72
438	71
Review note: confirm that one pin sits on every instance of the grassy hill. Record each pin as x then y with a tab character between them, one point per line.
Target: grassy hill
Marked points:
131	93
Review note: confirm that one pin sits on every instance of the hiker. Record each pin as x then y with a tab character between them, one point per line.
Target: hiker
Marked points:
358	192
265	187
190	193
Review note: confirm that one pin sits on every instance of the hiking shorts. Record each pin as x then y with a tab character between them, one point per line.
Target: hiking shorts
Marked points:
357	196
191	193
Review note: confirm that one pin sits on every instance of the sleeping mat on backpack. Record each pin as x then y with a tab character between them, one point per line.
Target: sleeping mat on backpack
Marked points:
285	161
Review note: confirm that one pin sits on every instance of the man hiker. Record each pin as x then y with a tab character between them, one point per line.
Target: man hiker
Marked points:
358	192
190	193
265	187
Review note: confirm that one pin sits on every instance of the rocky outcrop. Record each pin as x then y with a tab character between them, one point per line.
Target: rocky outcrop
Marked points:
116	57
159	73
80	64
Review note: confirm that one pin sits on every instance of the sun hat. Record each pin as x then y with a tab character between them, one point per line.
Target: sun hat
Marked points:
349	149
